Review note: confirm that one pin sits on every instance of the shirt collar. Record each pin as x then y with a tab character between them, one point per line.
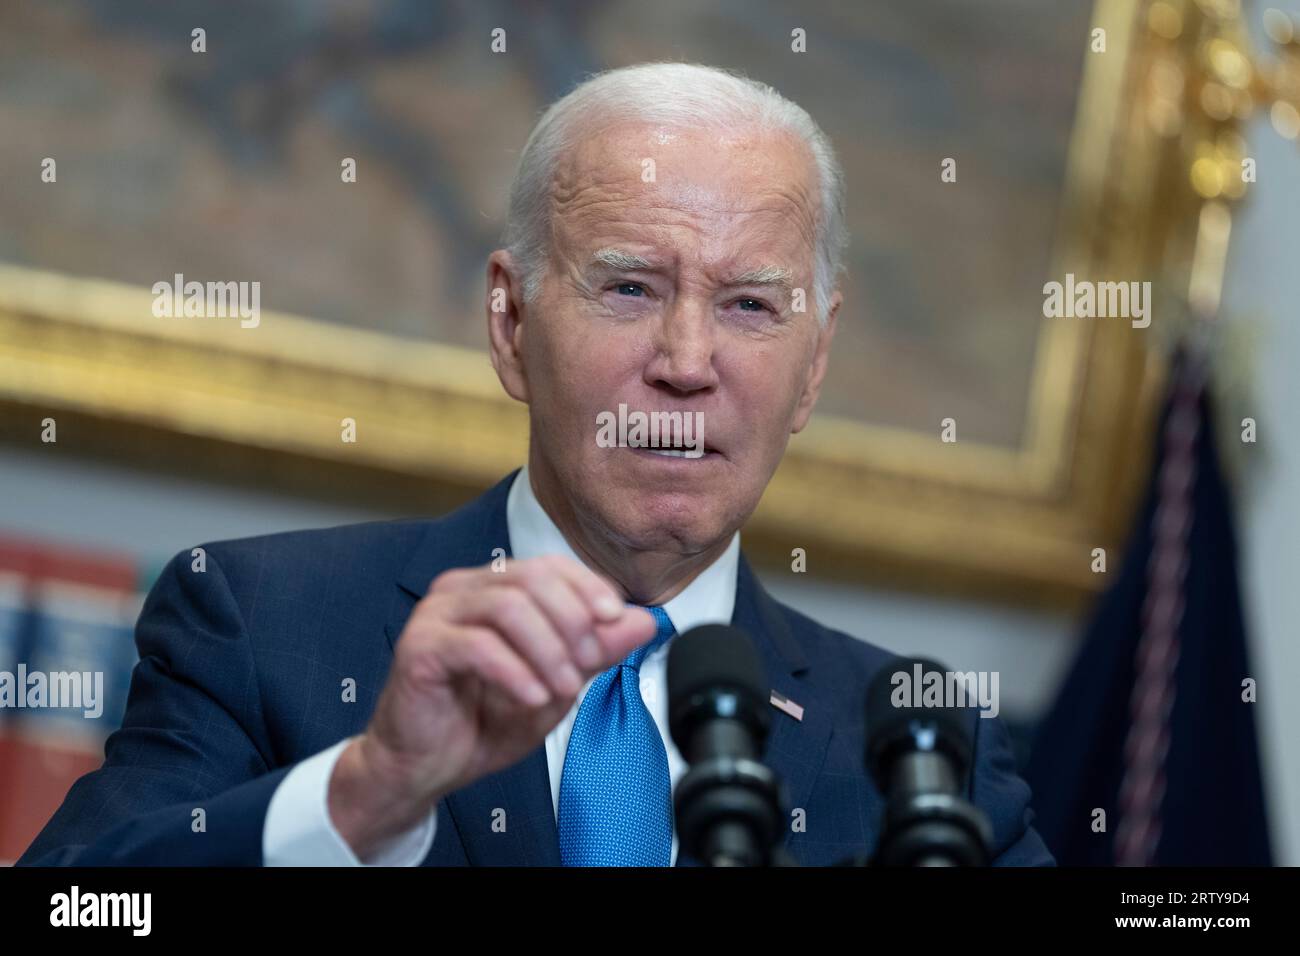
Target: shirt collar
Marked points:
709	599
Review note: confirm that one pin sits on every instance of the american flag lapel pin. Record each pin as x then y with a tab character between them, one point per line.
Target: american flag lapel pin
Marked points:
786	705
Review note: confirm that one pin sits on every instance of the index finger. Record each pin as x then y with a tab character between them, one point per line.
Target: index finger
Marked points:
598	592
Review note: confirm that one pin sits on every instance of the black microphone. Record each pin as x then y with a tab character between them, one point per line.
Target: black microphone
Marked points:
728	806
918	756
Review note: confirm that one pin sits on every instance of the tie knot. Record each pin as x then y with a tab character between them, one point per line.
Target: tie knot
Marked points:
664	629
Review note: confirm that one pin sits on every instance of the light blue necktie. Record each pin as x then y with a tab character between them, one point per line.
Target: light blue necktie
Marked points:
616	806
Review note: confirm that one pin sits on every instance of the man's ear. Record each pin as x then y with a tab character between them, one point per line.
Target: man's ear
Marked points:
505	312
821	358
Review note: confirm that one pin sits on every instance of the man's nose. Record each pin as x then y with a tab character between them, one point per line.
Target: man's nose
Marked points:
684	347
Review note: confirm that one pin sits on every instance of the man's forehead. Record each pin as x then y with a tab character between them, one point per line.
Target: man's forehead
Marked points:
695	167
740	207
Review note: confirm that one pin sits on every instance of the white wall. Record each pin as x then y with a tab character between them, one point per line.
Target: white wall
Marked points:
49	493
1263	290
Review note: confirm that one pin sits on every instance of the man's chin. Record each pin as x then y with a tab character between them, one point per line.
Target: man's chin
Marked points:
671	521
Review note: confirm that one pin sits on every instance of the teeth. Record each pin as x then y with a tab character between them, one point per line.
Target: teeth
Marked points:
674	452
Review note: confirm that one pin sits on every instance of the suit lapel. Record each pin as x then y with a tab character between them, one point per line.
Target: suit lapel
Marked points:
794	749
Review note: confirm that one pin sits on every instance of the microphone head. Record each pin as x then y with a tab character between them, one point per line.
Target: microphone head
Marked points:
896	721
714	672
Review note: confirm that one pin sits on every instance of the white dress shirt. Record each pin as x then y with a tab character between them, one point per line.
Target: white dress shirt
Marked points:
298	830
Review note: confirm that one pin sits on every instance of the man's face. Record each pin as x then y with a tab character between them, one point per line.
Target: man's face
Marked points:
706	323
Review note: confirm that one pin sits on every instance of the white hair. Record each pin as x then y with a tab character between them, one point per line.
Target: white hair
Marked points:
682	95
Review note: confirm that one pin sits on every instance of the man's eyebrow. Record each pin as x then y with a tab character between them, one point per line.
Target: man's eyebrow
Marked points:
618	259
765	275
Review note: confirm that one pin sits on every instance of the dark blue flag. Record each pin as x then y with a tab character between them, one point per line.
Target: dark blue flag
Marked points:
1150	725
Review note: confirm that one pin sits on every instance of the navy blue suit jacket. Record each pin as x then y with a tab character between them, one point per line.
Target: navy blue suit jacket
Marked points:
241	673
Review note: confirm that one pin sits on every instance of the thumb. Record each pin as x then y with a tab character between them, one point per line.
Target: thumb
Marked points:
621	637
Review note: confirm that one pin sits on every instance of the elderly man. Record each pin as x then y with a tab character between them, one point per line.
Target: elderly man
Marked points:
488	688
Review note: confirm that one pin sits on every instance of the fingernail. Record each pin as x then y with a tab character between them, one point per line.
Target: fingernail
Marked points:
608	607
538	695
589	651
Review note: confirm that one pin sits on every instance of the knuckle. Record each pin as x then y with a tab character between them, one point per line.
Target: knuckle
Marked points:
531	570
448	580
420	660
511	605
427	611
574	619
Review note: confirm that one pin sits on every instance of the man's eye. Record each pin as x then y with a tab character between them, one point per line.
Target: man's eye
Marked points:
636	290
751	305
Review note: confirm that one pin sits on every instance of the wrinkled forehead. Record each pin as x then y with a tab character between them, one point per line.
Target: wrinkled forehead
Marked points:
720	184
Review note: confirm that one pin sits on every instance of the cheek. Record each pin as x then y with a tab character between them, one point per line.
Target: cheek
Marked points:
766	391
578	378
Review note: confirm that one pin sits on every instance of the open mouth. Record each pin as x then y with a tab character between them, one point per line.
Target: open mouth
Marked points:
676	452
687	453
